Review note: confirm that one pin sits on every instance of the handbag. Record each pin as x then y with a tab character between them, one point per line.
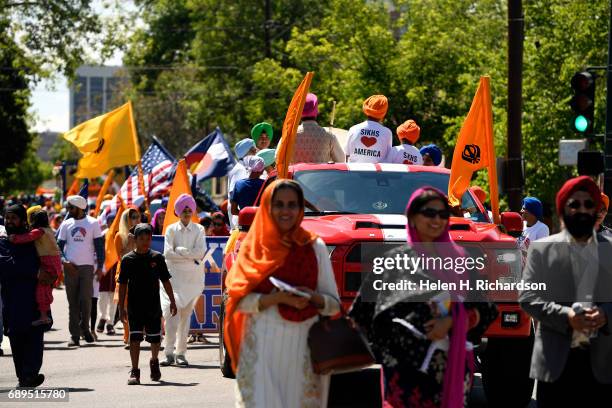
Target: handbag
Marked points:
337	345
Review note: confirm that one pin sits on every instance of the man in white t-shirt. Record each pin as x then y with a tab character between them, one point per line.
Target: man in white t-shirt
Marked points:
82	244
408	133
533	228
245	147
370	141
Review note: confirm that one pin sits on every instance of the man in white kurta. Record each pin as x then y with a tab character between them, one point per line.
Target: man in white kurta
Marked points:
184	249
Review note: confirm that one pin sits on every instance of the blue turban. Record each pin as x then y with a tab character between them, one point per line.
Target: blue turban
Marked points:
434	152
242	147
534	206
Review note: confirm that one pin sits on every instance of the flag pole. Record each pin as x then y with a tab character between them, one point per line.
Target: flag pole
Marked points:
140	173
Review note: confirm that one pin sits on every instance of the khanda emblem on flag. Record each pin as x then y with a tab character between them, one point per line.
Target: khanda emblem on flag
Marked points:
471	153
100	146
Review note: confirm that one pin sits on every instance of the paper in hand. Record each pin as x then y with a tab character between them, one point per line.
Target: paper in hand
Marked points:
284	286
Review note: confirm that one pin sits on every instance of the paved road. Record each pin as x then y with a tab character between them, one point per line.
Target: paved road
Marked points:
96	375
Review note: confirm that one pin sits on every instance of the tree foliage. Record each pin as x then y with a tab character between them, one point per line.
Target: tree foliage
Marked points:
425	55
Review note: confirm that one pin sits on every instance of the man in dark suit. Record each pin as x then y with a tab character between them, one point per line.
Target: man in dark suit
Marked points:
18	274
572	354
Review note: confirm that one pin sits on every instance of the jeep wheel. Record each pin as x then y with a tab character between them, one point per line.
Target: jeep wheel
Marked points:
505	371
224	359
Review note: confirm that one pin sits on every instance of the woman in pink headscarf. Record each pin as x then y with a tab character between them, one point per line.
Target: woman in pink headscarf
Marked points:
420	336
184	248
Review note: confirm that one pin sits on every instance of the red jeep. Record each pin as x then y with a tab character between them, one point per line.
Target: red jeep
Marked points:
350	205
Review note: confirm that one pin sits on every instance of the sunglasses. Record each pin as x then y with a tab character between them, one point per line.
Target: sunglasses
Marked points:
431	213
218	224
135	217
576	204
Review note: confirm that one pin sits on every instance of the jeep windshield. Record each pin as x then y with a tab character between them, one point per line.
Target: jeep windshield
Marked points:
361	192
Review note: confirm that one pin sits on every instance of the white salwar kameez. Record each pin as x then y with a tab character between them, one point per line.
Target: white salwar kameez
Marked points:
184	248
275	370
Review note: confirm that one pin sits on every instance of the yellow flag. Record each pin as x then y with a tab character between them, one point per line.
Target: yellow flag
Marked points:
180	185
475	149
284	152
106	141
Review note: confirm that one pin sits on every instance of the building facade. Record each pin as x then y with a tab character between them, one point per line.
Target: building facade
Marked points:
94	92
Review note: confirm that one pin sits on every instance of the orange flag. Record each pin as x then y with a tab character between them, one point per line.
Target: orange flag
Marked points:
284	152
112	257
74	188
109	179
180	185
475	149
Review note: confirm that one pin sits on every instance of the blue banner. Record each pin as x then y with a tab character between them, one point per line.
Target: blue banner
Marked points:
205	317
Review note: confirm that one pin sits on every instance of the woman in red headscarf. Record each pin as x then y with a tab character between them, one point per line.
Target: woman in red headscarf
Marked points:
266	330
420	336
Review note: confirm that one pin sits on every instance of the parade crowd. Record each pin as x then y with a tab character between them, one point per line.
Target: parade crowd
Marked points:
47	244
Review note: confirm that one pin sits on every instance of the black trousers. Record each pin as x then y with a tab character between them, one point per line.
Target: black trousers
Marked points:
577	386
27	348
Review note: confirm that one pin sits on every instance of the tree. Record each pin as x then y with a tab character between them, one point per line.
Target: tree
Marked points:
426	56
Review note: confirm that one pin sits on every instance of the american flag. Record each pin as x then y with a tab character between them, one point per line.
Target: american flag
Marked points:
157	169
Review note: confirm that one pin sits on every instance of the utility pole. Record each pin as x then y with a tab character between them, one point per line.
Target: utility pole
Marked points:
514	163
267	24
608	137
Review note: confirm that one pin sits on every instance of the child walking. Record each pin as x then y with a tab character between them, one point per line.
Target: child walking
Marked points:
141	271
50	262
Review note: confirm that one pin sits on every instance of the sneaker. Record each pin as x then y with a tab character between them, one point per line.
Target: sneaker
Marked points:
110	330
192	339
134	377
181	361
155	373
32	382
74	342
168	361
127	346
100	327
88	337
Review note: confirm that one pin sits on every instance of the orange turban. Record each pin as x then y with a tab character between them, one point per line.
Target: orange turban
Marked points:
376	106
605	200
409	131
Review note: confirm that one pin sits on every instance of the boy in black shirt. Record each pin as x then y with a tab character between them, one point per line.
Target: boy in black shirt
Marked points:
141	272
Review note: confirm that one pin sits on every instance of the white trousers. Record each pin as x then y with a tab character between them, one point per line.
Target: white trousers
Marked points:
106	307
177	330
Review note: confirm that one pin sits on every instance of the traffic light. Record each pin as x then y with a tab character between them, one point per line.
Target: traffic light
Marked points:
583	102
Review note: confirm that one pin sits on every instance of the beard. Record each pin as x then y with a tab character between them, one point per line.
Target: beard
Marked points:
580	225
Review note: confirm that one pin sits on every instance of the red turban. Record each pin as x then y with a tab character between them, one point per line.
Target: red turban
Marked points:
409	131
376	106
573	185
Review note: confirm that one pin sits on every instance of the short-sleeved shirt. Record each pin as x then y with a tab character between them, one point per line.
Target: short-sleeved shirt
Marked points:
142	273
245	192
368	142
404	154
79	236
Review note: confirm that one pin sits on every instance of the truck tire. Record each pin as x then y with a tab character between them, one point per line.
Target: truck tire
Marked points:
505	371
225	363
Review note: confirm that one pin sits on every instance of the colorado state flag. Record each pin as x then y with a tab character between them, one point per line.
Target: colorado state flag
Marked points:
211	157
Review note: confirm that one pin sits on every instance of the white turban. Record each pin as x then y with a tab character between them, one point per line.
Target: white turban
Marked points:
77	201
254	164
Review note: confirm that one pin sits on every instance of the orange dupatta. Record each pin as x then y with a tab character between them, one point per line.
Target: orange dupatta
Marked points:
263	251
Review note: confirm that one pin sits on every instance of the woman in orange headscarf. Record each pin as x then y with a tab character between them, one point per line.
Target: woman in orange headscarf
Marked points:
266	330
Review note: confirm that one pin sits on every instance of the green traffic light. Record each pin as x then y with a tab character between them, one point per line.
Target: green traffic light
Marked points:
581	123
